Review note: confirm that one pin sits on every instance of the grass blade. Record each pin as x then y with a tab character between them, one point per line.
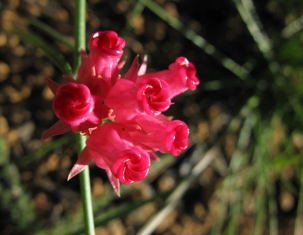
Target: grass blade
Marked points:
293	28
197	40
51	32
249	15
53	55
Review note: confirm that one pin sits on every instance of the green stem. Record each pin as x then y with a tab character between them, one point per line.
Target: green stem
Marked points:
80	34
86	193
80	43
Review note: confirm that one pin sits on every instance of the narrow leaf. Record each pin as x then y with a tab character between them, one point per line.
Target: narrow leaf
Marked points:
51	32
49	52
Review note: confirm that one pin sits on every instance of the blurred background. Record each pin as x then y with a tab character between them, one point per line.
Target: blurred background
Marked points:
242	173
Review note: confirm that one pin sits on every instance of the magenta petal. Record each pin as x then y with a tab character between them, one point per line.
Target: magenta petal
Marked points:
82	162
107	42
131	165
114	181
132	73
73	103
177	137
153	96
58	128
121	99
52	85
122	117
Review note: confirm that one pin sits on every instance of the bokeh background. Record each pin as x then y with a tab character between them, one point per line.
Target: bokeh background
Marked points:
242	173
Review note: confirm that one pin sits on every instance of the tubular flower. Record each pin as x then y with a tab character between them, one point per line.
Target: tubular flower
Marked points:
131	165
150	96
153	96
160	134
181	76
74	104
122	161
125	144
102	61
76	107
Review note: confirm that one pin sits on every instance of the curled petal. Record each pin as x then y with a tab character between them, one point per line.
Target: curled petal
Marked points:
107	42
102	63
111	148
131	165
73	103
177	137
187	70
127	99
153	96
180	76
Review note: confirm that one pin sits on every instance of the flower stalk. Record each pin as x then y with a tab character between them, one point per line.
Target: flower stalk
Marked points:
80	44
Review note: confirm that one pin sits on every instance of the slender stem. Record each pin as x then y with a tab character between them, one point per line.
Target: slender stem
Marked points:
86	193
80	30
84	175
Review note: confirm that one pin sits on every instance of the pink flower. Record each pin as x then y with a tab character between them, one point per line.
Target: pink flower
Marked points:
153	96
122	161
136	128
107	43
180	76
73	104
131	165
127	98
102	62
186	72
158	133
76	107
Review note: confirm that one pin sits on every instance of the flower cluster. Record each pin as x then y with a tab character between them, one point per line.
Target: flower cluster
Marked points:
122	117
